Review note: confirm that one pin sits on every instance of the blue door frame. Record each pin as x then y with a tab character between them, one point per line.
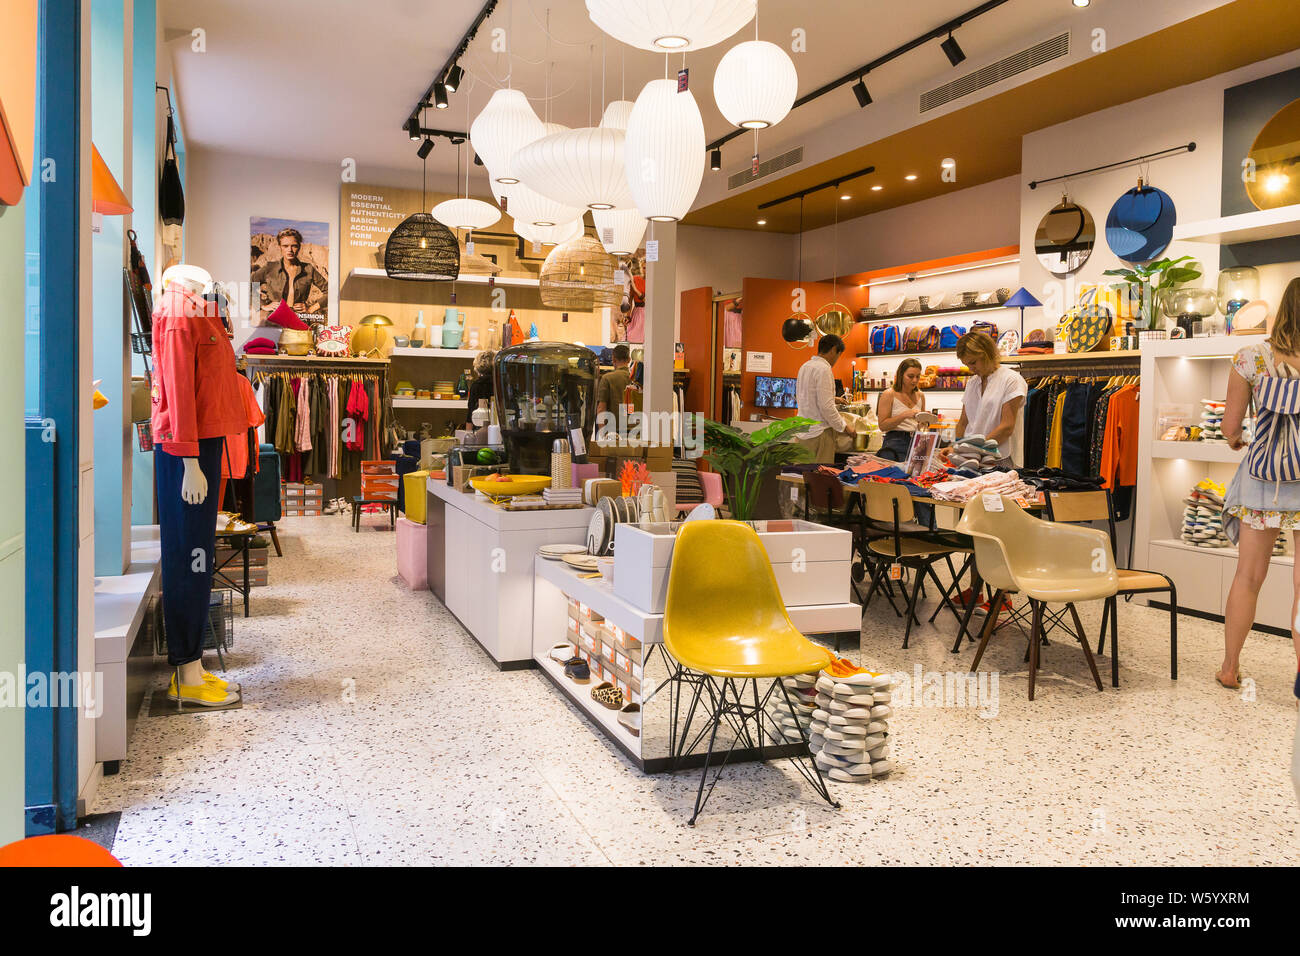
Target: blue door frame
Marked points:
52	466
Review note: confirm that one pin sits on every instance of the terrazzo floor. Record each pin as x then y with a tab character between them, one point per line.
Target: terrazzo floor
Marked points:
376	731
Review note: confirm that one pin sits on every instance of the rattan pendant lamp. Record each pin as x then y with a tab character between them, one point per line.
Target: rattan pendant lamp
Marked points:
421	248
579	275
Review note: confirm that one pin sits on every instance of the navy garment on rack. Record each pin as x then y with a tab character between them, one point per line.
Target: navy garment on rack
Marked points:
1074	428
188	539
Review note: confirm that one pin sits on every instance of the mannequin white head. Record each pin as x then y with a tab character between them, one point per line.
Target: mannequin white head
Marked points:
192	278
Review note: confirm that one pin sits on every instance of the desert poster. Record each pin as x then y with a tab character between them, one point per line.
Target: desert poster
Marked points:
290	260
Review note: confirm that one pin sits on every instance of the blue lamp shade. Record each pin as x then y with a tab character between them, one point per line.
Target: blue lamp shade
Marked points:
1022	300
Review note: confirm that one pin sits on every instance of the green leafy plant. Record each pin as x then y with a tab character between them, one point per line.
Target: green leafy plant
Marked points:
744	460
1154	279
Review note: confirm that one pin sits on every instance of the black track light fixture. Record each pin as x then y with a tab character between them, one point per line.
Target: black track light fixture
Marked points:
715	159
454	76
413	129
860	91
953	50
478	160
425	148
440	96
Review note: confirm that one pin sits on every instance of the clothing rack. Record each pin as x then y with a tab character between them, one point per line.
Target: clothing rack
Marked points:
1086	364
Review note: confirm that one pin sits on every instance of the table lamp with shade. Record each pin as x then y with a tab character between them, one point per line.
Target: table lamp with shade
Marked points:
1022	300
371	335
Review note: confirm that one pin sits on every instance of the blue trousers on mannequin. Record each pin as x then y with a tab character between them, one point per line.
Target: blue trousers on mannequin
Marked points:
188	536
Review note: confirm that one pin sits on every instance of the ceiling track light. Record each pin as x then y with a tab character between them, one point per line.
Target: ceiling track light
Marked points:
952	49
454	76
413	129
715	159
440	96
425	148
861	92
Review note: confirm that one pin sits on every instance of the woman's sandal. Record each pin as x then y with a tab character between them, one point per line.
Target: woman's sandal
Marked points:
607	695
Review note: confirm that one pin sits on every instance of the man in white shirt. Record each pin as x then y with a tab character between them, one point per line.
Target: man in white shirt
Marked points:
993	405
815	393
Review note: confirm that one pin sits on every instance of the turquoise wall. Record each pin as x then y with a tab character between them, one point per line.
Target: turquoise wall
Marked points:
13	243
146	103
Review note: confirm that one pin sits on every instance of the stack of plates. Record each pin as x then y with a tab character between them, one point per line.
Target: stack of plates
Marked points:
849	731
583	562
445	389
557	552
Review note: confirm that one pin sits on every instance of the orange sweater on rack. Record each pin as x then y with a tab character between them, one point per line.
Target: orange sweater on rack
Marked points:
1119	449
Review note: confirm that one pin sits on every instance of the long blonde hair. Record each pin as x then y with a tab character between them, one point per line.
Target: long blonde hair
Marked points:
1285	336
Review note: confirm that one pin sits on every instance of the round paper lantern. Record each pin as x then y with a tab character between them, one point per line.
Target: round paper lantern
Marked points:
670	25
579	274
505	125
526	205
550	235
578	167
664	151
755	84
466	213
616	114
620	230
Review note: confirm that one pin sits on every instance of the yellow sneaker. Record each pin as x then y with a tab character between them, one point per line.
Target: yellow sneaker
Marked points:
205	694
220	683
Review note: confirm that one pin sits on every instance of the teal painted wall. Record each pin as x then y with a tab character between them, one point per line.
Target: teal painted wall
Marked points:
13	244
145	102
110	112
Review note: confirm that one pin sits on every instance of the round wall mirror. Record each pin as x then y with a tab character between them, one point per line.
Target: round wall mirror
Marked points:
1276	158
1065	238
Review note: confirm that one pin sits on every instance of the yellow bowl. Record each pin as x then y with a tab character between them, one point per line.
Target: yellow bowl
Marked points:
514	485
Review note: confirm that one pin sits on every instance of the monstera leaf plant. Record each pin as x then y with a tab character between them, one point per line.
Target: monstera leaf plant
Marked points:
744	460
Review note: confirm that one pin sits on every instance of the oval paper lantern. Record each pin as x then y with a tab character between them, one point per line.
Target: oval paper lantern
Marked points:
506	124
616	114
466	213
755	84
526	205
664	151
550	235
670	25
620	231
578	167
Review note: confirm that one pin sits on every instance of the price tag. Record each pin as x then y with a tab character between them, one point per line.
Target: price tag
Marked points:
469	247
683	80
794	493
895	572
577	444
993	502
537	248
620	277
753	165
607	235
652	250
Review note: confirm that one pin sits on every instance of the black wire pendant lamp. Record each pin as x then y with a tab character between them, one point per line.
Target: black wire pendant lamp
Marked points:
421	248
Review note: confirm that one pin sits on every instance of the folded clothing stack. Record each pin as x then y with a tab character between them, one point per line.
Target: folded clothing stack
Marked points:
849	732
1212	420
1006	483
562	496
974	451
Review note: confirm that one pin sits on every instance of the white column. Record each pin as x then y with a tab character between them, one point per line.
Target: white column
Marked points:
660	334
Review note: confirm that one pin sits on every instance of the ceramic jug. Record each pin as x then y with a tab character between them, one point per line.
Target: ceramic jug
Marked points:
453	327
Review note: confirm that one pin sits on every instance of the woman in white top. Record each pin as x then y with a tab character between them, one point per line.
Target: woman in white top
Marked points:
994	403
897	408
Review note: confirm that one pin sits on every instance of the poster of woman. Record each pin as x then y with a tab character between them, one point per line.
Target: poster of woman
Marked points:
290	261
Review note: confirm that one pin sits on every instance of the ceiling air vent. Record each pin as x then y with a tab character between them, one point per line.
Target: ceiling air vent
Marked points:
1036	55
767	167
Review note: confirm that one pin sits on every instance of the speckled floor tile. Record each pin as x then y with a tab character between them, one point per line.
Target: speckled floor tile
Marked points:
376	731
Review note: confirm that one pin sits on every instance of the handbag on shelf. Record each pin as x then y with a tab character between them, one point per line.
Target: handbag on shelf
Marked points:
949	336
884	338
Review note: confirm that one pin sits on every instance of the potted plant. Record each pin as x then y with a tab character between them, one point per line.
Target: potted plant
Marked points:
744	460
1153	280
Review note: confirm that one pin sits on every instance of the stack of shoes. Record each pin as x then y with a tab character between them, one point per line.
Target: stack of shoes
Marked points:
849	732
1203	516
974	452
1212	420
803	698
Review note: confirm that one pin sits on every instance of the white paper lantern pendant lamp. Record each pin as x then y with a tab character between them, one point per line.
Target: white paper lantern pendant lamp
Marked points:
580	168
755	84
506	125
664	151
670	26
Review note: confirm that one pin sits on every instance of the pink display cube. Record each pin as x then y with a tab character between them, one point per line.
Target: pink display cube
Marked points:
412	559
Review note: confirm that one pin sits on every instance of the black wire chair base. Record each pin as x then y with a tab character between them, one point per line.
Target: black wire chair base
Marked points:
726	702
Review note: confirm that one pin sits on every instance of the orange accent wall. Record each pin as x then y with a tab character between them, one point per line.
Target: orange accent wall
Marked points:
767	304
695	333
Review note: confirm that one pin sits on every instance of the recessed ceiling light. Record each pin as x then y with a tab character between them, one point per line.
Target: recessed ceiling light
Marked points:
762	222
846	197
910	177
876	189
1081	3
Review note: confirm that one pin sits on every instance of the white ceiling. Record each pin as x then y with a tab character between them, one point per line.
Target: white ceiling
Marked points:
328	79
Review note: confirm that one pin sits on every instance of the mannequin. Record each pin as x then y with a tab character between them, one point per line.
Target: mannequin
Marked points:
196	401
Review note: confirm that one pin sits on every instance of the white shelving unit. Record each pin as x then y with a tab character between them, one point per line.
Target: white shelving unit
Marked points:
521	281
1246	227
1182	372
467	354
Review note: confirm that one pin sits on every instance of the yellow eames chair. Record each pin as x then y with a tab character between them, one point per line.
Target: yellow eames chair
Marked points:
725	619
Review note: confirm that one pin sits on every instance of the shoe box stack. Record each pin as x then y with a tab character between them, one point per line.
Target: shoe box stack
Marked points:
802	690
299	499
1212	420
379	480
231	563
849	732
612	654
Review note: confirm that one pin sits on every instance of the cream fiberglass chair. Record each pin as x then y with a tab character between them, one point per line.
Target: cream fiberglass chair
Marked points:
1047	563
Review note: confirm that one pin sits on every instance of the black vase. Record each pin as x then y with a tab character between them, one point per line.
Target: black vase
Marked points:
543	391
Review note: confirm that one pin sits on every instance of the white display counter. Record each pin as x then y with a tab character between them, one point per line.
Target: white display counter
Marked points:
481	565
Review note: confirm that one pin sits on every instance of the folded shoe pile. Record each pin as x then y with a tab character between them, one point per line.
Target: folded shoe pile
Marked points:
974	452
1203	516
1212	420
849	731
803	699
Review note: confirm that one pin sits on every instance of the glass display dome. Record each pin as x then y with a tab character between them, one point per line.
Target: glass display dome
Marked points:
544	390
